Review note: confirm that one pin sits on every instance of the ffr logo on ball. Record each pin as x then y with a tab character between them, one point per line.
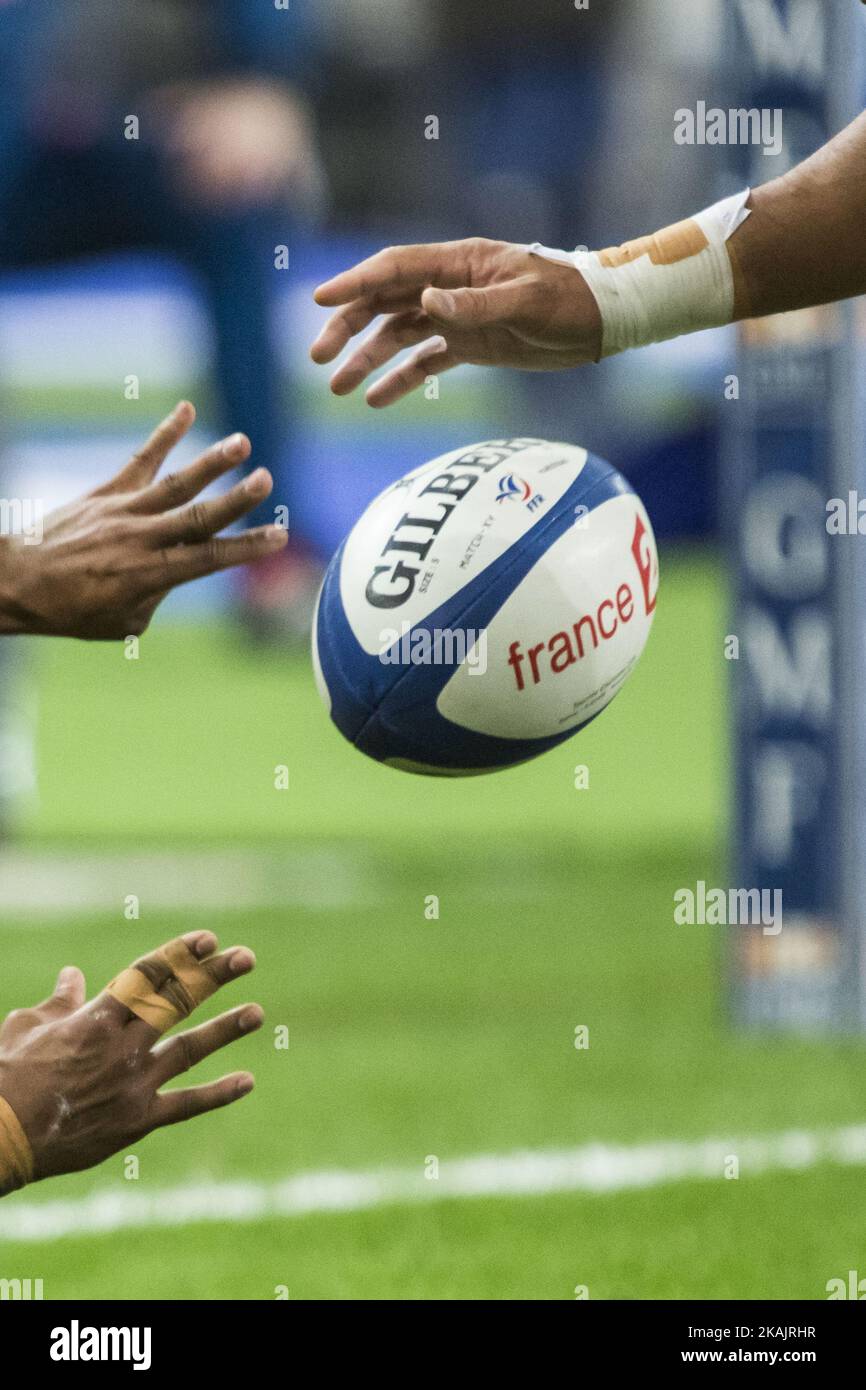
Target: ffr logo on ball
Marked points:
515	489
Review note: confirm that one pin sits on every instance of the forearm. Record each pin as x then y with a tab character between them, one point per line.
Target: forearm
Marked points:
804	242
796	242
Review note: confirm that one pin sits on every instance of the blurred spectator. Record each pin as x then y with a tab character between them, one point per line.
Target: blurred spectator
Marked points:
530	90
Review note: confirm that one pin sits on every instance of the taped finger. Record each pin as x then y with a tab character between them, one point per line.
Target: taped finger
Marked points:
164	988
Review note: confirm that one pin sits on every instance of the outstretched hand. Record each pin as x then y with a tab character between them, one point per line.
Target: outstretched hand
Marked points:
84	1079
486	302
105	561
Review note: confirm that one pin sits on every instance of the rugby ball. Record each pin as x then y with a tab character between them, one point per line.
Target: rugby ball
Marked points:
485	607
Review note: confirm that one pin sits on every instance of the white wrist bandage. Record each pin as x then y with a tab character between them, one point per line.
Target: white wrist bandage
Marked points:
677	281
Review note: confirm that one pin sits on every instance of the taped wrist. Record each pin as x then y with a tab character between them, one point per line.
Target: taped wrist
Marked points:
190	981
679	280
16	1155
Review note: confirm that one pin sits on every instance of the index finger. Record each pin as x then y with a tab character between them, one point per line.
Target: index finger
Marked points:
394	270
146	462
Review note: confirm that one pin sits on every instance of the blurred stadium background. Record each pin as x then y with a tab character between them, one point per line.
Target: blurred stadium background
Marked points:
412	1040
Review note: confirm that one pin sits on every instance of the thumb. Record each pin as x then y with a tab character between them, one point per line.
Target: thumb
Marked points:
70	992
469	308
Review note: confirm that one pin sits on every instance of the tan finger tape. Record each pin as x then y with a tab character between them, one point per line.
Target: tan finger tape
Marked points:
16	1155
193	974
190	982
133	989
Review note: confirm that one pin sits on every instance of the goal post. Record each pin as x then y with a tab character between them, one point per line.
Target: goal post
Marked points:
793	472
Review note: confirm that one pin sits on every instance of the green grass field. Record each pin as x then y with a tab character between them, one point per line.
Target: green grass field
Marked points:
452	1037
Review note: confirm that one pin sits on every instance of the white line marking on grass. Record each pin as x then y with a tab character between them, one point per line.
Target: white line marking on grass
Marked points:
594	1169
57	884
48	885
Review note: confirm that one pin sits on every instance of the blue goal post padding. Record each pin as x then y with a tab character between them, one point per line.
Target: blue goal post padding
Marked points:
794	445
